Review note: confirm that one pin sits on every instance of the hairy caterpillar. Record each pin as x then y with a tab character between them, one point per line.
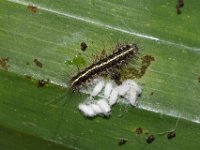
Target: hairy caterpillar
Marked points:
122	55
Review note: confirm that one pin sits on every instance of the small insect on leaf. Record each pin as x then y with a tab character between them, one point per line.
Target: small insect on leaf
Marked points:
118	58
150	139
83	46
37	63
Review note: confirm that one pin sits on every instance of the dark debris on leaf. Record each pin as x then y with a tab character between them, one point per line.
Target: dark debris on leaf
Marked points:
122	141
4	63
171	135
38	63
150	139
32	8
83	46
179	5
139	131
42	83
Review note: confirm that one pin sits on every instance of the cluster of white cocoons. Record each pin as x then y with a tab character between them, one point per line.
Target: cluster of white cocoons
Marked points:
129	90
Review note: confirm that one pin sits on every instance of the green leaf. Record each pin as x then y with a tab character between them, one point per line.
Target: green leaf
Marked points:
50	31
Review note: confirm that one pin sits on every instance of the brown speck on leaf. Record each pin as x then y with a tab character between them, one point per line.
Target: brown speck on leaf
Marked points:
4	63
83	46
199	79
178	10
32	8
122	141
38	63
171	135
139	131
179	5
150	139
